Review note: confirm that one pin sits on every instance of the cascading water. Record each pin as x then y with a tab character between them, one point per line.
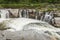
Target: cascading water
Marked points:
29	29
4	14
48	17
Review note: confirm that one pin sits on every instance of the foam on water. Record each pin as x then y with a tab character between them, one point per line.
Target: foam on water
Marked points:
4	13
21	24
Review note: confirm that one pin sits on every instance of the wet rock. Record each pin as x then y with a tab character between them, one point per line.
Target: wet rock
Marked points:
57	20
14	12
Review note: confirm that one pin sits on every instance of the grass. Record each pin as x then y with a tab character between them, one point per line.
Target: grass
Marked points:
41	6
21	5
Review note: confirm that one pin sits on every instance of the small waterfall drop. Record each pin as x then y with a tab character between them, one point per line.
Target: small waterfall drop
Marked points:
4	14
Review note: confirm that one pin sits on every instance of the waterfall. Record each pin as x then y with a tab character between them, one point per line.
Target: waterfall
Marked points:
20	13
24	13
4	13
48	17
30	28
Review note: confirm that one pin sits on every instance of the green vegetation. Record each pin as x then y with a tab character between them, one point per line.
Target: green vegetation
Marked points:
30	4
28	1
41	6
21	5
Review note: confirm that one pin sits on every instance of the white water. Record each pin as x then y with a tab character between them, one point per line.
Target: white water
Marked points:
27	29
4	13
20	24
48	17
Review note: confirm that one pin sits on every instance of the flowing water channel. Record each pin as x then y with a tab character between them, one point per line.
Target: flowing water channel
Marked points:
26	29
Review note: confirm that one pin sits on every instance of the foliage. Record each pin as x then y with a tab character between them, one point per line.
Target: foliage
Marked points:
28	1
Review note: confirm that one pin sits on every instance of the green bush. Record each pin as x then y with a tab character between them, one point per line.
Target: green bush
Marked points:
41	5
21	5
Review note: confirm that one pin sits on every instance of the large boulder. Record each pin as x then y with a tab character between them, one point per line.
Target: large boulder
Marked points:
14	13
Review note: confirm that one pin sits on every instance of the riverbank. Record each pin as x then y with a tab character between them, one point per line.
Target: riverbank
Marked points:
35	6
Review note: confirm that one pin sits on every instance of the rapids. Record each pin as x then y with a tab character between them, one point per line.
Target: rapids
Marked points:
29	29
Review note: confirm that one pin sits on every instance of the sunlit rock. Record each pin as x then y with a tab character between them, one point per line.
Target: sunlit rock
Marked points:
14	13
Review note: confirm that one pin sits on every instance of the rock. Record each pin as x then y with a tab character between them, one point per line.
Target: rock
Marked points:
57	20
14	12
